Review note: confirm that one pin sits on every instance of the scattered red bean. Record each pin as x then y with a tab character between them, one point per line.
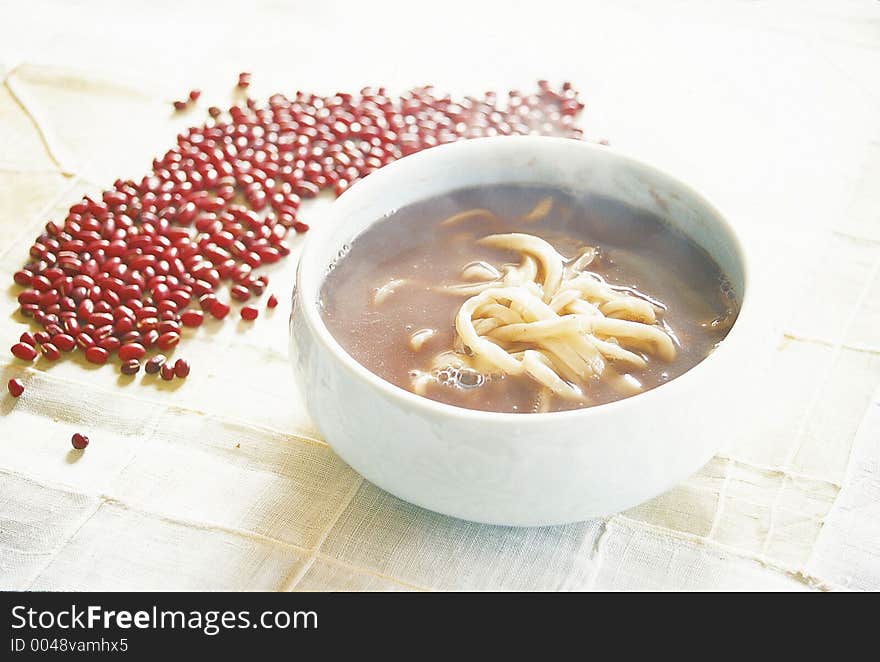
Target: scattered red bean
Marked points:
249	313
79	441
192	318
240	293
219	310
167	372
131	351
50	351
16	388
24	351
97	355
194	95
64	342
181	368
154	364
130	367
167	340
84	340
132	266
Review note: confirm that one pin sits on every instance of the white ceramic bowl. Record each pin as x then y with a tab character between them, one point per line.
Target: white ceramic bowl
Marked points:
515	469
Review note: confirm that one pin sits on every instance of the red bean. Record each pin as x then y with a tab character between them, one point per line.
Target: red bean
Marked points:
207	301
181	368
123	268
249	313
41	283
130	367
24	351
169	326
29	297
131	351
110	343
192	318
219	310
154	364
97	355
16	388
240	293
167	340
166	372
64	342
79	441
84	340
149	338
100	319
50	351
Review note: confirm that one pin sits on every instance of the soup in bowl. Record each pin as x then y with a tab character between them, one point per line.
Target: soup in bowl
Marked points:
520	331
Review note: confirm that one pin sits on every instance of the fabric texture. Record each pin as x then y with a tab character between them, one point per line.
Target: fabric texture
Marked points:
221	481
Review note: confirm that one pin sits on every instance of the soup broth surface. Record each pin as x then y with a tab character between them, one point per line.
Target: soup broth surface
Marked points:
636	250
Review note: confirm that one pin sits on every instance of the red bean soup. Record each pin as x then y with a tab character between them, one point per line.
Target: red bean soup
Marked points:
514	298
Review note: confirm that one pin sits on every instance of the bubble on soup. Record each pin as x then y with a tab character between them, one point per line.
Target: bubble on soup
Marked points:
456	377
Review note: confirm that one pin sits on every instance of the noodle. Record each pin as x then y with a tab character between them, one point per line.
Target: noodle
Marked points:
551	261
539	211
461	217
419	338
387	290
480	271
549	320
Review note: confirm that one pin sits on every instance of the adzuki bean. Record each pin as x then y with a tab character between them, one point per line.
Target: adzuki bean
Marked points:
24	351
181	368
167	372
130	367
16	388
79	441
124	271
154	364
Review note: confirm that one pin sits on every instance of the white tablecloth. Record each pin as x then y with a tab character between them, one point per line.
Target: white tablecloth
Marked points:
221	481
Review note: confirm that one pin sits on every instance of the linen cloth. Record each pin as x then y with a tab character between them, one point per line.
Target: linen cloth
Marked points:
220	481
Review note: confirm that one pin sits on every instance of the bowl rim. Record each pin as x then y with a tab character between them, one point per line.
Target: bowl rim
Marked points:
310	282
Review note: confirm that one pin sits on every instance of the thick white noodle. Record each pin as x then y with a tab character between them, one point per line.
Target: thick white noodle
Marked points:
387	290
480	271
555	322
551	261
420	337
461	217
539	211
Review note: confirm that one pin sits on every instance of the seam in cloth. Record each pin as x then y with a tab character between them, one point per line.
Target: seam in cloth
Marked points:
44	136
